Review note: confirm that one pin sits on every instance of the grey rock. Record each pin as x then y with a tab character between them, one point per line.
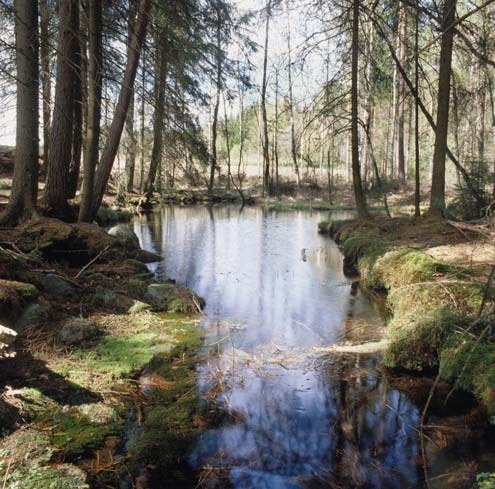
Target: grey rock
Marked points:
125	235
147	256
76	331
56	286
33	315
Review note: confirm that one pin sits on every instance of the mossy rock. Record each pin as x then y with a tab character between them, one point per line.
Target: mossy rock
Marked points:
107	216
173	299
59	240
113	301
13	297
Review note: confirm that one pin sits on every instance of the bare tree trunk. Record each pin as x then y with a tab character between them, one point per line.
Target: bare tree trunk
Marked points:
275	129
417	180
22	202
356	170
437	201
401	95
45	75
267	186
143	116
130	157
57	175
479	198
293	146
214	125
227	140
94	106
117	126
77	132
159	116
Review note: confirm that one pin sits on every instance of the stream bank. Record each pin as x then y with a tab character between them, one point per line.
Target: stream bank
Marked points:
75	409
438	278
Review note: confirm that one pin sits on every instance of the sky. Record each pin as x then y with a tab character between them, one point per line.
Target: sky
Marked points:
306	82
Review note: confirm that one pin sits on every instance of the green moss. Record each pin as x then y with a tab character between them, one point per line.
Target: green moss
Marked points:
136	287
107	216
138	307
171	423
470	365
431	302
485	481
75	435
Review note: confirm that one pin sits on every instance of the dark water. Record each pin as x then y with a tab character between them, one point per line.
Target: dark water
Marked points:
303	417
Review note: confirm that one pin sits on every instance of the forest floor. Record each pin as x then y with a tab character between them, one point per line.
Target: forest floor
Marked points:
104	359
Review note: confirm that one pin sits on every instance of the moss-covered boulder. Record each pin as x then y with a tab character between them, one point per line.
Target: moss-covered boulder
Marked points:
13	297
77	331
125	235
57	287
173	299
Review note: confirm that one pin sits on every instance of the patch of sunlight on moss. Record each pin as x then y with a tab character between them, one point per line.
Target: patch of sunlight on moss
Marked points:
75	435
123	354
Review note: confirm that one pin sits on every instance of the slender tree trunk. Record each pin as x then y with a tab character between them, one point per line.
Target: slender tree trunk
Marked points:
267	186
293	145
417	179
437	201
214	125
117	126
479	198
227	140
130	157
401	95
275	129
356	170
45	75
22	202
159	116
143	123
57	175
77	132
95	60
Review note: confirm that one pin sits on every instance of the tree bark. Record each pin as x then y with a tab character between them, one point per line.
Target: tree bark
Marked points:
120	115
77	133
45	75
417	180
293	145
22	202
130	157
158	118
267	186
437	200
57	175
356	170
94	107
401	95
214	123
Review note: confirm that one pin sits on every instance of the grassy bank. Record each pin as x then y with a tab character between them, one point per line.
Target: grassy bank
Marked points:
441	309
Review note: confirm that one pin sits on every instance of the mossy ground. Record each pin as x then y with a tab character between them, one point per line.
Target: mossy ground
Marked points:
76	402
74	431
434	304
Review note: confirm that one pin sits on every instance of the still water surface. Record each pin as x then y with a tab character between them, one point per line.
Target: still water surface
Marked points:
302	417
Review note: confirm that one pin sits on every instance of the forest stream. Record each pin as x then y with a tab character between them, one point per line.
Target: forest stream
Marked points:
300	414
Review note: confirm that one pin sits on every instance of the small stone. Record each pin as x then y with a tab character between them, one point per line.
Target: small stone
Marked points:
147	256
125	235
77	331
33	315
56	286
